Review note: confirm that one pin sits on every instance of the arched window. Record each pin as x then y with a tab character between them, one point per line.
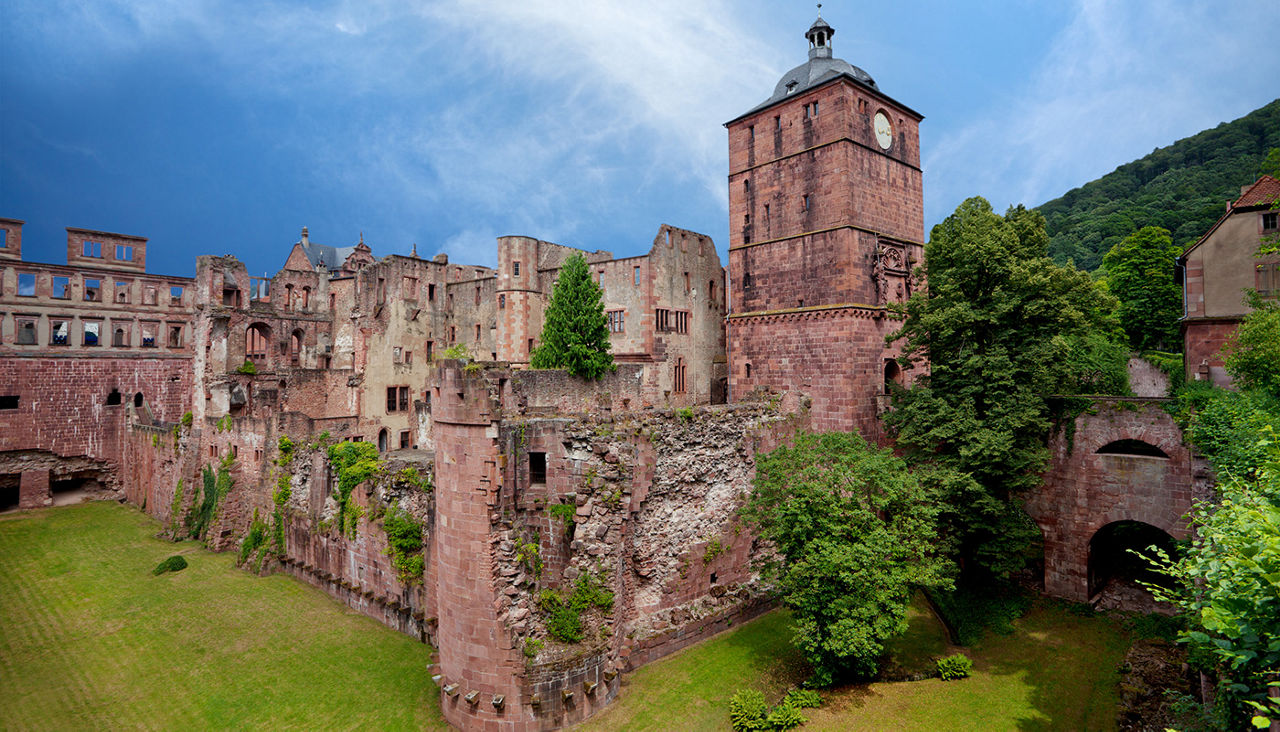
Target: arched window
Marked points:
306	298
138	400
892	374
120	339
255	346
288	297
1133	448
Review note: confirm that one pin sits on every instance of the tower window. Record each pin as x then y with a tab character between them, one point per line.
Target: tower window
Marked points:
751	133
537	467
515	269
746	185
777	122
502	302
636	275
804	202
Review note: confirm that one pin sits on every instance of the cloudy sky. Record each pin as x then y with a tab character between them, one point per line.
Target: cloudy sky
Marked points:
224	127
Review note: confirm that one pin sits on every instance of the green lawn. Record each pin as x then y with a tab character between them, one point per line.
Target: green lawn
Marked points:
89	639
1057	671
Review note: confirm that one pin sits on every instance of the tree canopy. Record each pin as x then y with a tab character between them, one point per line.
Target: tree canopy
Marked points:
575	332
1140	274
854	533
1180	188
1003	328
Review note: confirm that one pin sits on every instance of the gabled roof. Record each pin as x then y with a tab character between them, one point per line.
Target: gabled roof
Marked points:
1264	193
331	257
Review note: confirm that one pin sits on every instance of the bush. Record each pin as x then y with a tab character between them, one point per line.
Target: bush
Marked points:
954	667
803	699
969	612
247	367
404	544
176	563
747	711
563	622
783	717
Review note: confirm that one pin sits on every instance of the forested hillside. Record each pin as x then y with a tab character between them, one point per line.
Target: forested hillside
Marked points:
1183	187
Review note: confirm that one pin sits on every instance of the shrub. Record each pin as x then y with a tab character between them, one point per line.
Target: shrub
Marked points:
783	717
747	711
566	512
954	667
563	622
256	537
176	563
187	419
404	544
247	368
457	351
803	699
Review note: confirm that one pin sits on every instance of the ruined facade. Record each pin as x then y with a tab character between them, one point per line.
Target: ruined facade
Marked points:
826	221
1218	269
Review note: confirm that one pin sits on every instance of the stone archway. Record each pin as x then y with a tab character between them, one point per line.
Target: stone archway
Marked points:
1111	554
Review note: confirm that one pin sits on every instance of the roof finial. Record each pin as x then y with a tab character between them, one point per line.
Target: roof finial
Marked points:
819	10
362	236
414	253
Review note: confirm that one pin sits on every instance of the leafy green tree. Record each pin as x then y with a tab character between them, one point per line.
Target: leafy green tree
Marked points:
575	332
1140	274
854	533
1253	351
1002	328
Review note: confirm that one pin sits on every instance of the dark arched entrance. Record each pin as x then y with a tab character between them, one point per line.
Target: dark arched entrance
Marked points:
382	441
1110	558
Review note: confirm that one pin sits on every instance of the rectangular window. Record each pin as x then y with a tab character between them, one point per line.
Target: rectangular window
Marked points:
92	290
537	467
26	284
175	295
231	297
615	320
62	288
59	332
395	354
1269	221
391	399
409	288
149	335
9	401
403	393
804	203
408	356
92	249
777	123
681	321
477	294
404	440
382	291
431	293
502	302
175	336
711	291
662	320
529	350
477	332
515	269
122	292
678	377
687	288
448	301
4	238
120	336
25	334
751	133
124	253
635	275
1267	281
429	353
92	333
149	295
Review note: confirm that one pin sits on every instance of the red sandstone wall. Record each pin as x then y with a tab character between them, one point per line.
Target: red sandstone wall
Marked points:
1084	491
1202	341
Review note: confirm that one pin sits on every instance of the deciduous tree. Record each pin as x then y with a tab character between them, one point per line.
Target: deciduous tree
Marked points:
1140	274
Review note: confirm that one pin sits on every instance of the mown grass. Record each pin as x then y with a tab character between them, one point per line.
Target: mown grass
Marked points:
90	639
1055	671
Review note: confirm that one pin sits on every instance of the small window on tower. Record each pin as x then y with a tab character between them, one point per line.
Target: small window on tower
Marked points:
636	275
777	122
804	203
515	269
537	467
502	302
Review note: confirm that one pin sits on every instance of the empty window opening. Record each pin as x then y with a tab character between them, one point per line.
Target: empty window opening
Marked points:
62	288
175	336
529	349
477	294
381	291
59	332
306	298
175	295
255	347
8	401
679	385
92	333
91	249
892	374
453	334
1136	448
477	332
149	335
681	321
713	578
635	276
430	348
751	133
746	185
138	400
26	331
122	292
231	297
804	202
4	238
748	370
26	284
662	320
537	467
295	347
711	291
120	339
431	292
150	296
114	398
502	302
333	302
124	253
288	297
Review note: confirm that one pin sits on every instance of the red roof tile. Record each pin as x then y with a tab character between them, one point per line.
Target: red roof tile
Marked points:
1264	192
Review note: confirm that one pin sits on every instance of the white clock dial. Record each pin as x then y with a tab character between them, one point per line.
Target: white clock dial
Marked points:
884	131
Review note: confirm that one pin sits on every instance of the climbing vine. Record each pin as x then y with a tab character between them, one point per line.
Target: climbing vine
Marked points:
353	463
216	485
404	544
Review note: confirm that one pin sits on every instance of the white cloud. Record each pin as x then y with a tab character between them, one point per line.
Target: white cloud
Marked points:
1120	79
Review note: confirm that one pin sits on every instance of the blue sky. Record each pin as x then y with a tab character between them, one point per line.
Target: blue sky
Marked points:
224	127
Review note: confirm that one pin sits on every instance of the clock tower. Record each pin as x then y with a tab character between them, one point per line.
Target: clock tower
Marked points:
826	220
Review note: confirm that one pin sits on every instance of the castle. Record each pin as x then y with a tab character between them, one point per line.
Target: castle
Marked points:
121	383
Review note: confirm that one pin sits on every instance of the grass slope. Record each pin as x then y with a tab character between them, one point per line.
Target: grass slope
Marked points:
89	639
1056	671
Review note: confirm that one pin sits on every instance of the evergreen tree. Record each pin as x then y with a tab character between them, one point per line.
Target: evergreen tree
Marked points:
1002	328
1140	273
575	333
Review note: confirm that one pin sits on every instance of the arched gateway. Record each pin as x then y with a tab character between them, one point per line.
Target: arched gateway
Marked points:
1121	476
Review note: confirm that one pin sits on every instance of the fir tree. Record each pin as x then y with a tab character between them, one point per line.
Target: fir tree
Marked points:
575	333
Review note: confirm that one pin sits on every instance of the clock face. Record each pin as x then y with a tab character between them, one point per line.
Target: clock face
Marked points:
884	131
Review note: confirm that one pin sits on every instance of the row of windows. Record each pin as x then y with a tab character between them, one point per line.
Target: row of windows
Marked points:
93	332
93	250
810	111
668	321
60	288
